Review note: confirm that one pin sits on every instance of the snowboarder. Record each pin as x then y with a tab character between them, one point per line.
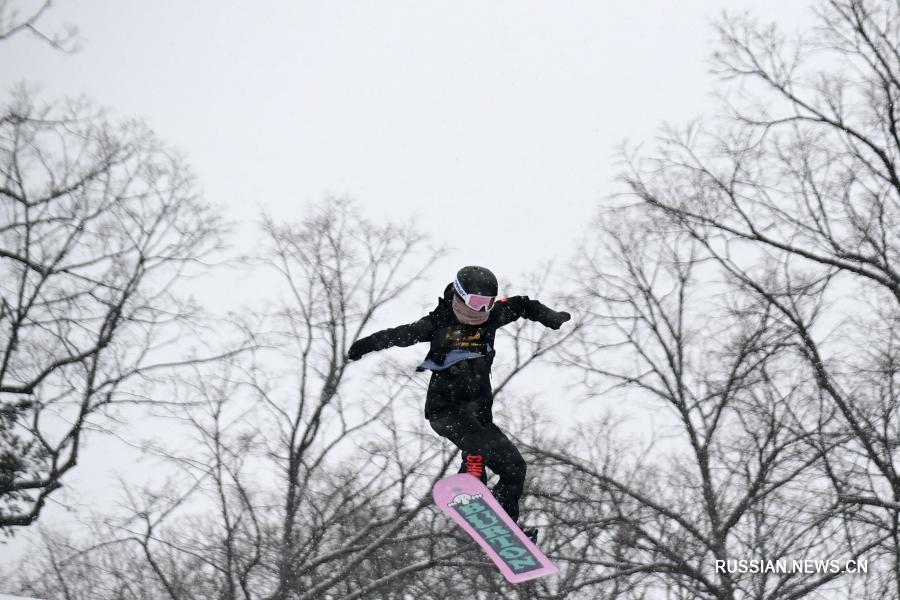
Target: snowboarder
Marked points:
461	331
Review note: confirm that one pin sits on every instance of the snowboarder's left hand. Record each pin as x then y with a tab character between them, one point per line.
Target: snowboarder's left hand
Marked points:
558	320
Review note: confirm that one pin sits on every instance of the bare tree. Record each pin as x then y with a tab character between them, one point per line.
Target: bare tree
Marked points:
339	270
301	484
308	487
99	222
13	21
731	470
795	196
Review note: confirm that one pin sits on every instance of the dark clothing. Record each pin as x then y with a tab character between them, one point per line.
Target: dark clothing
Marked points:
471	429
445	333
459	399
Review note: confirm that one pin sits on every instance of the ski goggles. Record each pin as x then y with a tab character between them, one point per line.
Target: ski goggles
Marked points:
474	301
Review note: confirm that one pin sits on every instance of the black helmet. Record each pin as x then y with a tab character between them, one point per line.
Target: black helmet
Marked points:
476	280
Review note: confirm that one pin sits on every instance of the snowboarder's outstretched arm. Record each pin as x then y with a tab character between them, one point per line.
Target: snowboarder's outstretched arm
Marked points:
516	307
404	335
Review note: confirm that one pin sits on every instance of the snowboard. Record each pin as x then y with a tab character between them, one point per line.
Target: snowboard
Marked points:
470	503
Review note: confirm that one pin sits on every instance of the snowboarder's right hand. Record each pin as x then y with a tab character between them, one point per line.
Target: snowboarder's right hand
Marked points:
356	352
558	319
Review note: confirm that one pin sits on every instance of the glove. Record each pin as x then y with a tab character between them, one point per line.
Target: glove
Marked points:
356	351
558	319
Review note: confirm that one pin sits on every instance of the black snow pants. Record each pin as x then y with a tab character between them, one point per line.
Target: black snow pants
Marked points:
458	407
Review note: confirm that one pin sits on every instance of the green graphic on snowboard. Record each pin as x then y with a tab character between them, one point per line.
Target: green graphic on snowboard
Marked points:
491	528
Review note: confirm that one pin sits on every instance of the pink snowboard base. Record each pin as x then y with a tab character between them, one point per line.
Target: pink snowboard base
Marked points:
471	504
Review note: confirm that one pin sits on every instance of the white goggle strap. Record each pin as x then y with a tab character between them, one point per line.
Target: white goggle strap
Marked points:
459	289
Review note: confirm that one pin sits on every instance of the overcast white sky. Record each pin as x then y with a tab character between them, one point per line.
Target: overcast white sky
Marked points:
494	123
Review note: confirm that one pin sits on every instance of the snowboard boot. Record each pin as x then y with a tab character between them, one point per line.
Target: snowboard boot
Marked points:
473	464
530	532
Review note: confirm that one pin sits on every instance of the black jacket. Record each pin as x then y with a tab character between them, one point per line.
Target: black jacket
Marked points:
443	330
